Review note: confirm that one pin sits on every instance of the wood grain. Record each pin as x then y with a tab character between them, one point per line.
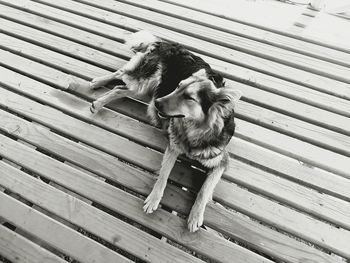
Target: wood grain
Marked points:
291	187
18	249
238	16
56	234
254	113
130	206
284	195
225	193
251	77
244	30
117	232
226	54
246	129
241	47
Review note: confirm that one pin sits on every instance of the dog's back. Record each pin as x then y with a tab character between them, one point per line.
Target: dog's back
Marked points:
179	64
174	60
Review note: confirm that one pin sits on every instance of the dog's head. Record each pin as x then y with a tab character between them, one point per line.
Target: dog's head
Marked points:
197	99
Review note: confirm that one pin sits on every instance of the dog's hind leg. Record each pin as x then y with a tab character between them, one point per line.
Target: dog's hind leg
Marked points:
100	81
129	66
153	199
116	93
195	219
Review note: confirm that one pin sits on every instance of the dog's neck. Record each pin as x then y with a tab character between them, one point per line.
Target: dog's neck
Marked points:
191	138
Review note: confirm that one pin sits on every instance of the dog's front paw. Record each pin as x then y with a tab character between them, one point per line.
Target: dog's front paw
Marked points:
74	83
96	83
152	202
95	106
195	219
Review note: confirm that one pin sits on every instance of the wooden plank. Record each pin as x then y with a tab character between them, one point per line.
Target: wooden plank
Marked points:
292	169
270	139
293	148
56	234
76	50
258	236
278	102
238	16
68	32
246	31
285	72
238	45
285	191
254	78
18	249
318	136
227	193
121	234
137	154
67	64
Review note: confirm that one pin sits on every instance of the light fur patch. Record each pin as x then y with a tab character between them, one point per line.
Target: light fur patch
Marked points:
144	86
140	40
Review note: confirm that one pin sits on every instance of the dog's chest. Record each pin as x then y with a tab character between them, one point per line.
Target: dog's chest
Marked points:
192	142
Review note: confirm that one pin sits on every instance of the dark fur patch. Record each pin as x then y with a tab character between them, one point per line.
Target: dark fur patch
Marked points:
177	64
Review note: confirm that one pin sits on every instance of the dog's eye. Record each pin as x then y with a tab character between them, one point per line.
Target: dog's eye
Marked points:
188	97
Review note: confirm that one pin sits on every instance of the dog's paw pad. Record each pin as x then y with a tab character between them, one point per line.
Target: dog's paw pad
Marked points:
195	220
151	203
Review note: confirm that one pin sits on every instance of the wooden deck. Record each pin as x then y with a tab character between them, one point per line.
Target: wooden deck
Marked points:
72	184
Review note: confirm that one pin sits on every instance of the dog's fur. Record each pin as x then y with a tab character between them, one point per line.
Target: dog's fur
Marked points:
189	100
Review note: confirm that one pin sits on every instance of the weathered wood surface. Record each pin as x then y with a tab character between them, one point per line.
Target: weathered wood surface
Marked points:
316	36
285	196
226	54
18	249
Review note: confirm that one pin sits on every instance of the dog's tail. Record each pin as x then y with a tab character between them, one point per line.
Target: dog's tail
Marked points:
140	41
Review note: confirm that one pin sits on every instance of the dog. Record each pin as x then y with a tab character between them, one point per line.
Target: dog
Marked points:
187	99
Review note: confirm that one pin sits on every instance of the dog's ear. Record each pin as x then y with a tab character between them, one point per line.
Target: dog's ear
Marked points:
196	76
223	105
